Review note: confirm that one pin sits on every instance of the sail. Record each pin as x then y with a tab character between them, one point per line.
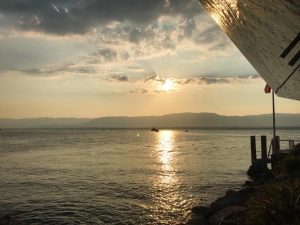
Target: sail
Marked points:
267	32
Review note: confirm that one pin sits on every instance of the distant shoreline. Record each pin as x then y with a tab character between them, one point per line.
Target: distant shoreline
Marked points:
147	128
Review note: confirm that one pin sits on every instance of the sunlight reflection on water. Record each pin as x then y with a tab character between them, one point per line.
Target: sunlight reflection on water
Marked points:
166	186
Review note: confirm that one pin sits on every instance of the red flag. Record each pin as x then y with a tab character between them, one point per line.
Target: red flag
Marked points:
267	89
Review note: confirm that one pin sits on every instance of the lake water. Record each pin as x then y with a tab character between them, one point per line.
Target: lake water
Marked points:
121	176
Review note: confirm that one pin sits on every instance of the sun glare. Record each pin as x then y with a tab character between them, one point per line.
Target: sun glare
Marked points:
167	85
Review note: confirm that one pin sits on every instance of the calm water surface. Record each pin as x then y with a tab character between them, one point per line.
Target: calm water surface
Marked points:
120	176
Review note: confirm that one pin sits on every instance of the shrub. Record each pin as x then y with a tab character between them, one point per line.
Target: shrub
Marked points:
291	162
275	204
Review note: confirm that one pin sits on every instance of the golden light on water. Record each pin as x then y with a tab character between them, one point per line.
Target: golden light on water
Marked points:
166	185
165	149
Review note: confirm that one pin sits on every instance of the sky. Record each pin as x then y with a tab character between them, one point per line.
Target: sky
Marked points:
96	58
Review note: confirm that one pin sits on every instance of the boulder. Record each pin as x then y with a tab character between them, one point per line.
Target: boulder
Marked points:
234	198
259	169
227	222
230	192
197	220
225	214
247	183
202	210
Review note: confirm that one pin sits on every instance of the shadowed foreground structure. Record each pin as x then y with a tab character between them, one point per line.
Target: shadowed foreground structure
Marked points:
268	34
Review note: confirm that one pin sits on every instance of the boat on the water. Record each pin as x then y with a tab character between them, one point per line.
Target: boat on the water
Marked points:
154	129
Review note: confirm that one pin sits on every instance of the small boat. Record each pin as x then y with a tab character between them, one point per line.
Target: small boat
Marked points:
154	129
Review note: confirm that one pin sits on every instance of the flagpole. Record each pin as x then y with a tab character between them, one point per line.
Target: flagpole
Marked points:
274	130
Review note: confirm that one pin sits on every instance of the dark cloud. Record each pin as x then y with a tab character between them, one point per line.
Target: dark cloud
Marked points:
187	27
203	81
151	78
156	80
62	17
57	71
209	81
255	76
108	55
139	91
135	36
120	78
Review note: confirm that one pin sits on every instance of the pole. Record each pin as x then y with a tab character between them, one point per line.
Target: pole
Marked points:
253	148
274	130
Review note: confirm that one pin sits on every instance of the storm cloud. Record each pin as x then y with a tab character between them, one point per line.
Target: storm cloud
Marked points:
63	17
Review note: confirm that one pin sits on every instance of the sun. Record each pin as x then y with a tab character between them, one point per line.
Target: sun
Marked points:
167	85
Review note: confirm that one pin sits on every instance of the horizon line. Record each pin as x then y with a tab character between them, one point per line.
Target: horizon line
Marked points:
147	116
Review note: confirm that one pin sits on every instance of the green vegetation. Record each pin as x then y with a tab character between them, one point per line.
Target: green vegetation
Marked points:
278	202
291	164
275	204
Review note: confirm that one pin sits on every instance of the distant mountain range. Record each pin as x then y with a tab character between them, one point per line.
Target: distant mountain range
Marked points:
190	120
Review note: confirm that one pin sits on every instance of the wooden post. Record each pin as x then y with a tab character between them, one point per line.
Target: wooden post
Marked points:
253	148
264	147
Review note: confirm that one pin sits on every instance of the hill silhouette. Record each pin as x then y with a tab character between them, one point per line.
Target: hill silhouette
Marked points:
190	120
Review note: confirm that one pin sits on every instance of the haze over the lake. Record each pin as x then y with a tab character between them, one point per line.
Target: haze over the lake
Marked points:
90	59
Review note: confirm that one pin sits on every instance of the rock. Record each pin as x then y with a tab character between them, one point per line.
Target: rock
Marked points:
209	214
259	169
247	190
202	210
235	198
247	183
220	204
227	222
198	220
225	213
230	191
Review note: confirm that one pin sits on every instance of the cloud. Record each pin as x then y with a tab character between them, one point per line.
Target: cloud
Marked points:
210	81
119	37
149	91
55	8
139	91
165	36
255	76
62	17
107	55
120	78
155	80
64	70
202	81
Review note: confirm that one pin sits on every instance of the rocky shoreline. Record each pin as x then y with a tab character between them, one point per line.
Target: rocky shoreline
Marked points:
272	197
232	206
